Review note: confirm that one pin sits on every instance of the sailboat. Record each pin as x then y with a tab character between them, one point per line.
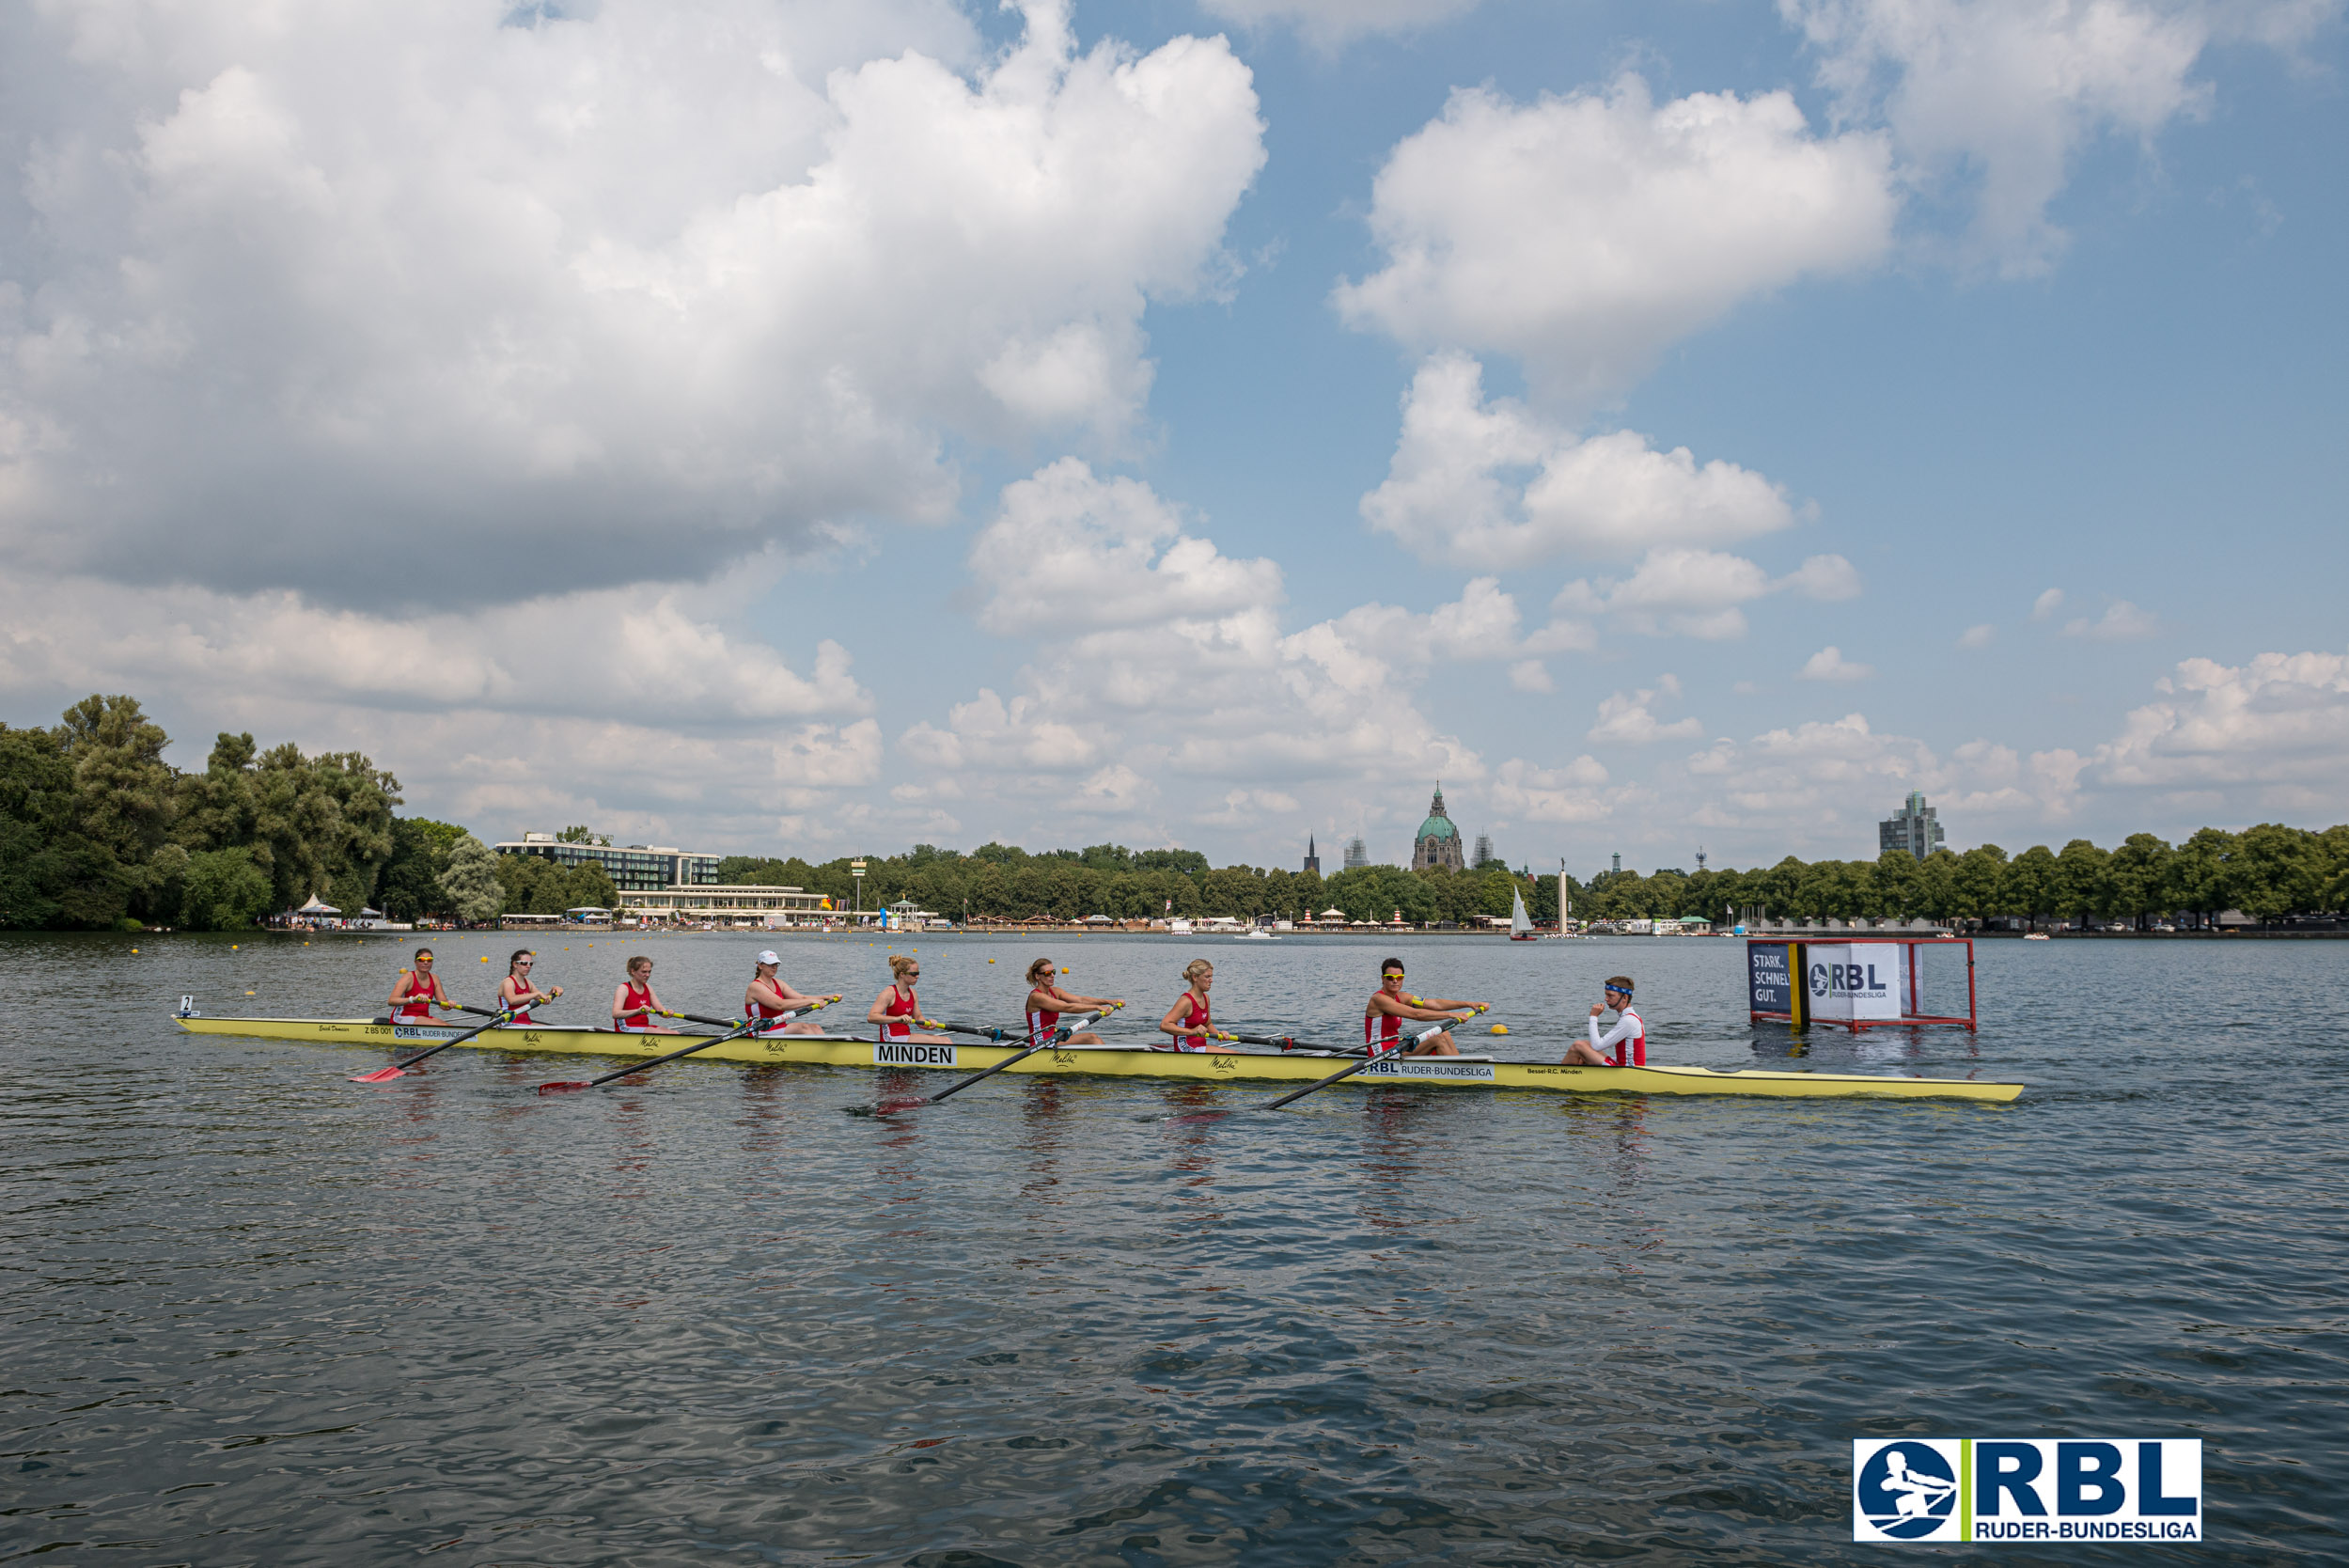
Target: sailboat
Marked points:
1520	928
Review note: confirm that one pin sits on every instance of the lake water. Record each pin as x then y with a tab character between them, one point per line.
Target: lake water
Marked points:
255	1313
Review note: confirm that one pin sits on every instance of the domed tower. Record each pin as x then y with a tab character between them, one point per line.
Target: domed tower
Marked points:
1437	842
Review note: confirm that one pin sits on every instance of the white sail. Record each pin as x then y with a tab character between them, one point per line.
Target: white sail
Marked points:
1518	924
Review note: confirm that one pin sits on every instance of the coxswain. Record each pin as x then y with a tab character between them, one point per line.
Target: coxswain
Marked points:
516	993
634	1004
1048	1001
896	1011
771	998
1188	1020
1628	1039
419	992
1383	1016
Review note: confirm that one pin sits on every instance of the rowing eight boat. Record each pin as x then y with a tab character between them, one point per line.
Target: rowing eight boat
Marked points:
1117	1061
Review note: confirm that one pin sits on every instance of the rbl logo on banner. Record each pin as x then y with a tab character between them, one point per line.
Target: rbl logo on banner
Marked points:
2026	1489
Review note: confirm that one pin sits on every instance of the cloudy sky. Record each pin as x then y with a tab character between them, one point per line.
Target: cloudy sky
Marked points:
812	427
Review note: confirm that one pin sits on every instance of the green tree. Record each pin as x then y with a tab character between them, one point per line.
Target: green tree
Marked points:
223	890
2030	887
2083	885
2139	876
470	883
410	885
2200	874
2276	871
1981	883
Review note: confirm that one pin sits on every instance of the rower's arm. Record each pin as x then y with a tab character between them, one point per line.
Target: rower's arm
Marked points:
1621	1031
878	1011
1173	1024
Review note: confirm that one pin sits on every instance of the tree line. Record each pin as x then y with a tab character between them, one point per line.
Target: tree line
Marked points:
97	832
2270	871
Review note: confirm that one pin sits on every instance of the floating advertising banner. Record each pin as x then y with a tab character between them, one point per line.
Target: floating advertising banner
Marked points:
1854	979
1770	976
2034	1489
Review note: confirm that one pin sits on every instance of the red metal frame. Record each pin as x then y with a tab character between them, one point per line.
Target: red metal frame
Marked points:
1798	969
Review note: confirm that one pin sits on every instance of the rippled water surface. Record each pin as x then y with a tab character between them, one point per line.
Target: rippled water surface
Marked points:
254	1313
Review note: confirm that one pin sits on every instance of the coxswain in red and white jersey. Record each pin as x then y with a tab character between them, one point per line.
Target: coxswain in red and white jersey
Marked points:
1190	1020
516	990
1048	1001
1627	1041
771	998
419	992
1384	1015
634	1005
896	1010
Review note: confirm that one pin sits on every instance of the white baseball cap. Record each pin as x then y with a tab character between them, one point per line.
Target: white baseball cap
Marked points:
770	956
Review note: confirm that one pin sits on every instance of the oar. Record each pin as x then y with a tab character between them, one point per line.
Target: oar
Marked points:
740	1029
1286	1041
1057	1036
729	1023
1349	1070
398	1069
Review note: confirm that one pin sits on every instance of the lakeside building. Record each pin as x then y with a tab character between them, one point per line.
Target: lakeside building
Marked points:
1357	853
1313	861
1437	842
1915	830
730	903
633	868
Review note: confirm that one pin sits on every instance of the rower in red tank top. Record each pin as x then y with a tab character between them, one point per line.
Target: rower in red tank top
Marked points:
1190	1020
411	999
898	1009
1383	1016
1048	1001
516	993
771	996
634	1005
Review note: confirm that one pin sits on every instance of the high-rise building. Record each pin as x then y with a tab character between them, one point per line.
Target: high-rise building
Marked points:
1357	853
1913	830
1313	861
1437	842
1484	849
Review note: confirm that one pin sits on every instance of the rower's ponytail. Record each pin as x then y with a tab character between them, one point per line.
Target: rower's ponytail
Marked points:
1197	968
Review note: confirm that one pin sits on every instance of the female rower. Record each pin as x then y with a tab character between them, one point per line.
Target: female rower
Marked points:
634	1004
1188	1020
1388	1007
897	1003
1046	1002
771	996
1628	1039
516	991
419	992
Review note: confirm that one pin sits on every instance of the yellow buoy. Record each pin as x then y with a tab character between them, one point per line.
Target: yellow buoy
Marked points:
134	950
234	945
1500	1029
485	958
991	961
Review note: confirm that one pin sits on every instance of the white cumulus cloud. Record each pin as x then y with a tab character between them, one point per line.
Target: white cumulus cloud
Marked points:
303	297
1829	663
1700	593
1493	484
1583	234
1993	101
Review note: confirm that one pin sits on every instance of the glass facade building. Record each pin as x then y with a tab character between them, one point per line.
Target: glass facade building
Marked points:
633	868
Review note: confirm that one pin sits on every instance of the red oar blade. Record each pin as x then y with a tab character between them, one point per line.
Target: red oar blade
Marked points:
572	1088
381	1075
